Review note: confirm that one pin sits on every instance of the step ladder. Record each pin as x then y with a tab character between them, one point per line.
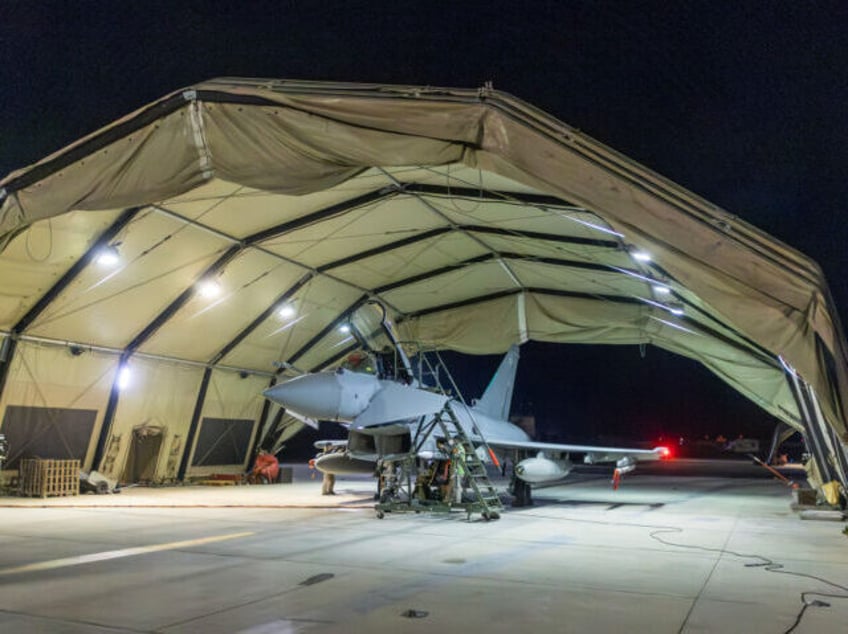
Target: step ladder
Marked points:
399	492
486	500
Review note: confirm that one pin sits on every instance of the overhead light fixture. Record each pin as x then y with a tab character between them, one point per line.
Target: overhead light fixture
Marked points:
676	309
108	255
641	256
344	328
124	378
209	289
286	311
660	289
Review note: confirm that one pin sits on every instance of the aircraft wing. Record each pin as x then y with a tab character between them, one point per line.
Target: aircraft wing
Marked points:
593	454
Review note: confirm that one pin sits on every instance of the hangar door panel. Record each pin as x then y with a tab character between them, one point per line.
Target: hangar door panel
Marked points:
47	432
222	441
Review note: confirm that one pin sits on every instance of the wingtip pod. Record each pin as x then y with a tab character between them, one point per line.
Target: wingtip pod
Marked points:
663	453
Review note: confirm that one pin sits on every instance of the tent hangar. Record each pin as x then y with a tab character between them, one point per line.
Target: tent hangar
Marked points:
154	271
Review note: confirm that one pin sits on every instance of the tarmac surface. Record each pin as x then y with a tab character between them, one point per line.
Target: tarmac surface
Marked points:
687	546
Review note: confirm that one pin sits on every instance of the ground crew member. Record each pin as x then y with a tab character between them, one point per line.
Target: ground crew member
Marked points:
329	480
458	472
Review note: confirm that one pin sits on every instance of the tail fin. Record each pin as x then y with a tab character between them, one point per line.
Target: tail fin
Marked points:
497	398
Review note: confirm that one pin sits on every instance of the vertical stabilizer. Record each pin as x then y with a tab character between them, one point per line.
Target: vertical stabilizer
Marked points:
497	398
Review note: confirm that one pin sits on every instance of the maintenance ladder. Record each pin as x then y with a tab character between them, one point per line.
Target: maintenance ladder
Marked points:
398	498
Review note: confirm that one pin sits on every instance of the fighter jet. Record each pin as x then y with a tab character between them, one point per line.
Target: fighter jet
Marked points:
385	408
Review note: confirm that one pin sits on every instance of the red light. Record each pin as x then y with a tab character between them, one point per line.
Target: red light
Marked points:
665	452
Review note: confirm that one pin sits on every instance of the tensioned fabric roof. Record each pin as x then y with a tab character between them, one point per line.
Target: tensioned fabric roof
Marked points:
477	219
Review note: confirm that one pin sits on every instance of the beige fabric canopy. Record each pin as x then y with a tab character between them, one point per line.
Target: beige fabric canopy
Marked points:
477	219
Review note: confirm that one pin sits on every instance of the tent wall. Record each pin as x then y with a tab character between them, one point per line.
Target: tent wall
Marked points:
157	394
230	396
43	375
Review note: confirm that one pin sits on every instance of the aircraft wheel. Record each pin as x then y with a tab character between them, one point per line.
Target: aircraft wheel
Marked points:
380	515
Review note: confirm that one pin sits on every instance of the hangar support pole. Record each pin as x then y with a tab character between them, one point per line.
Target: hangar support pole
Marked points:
832	442
813	433
258	436
108	415
195	422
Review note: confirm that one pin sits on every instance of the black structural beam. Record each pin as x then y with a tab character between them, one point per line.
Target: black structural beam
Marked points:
327	329
488	195
812	433
181	300
108	415
321	214
385	248
618	299
54	291
195	423
241	336
487	257
254	446
512	233
536	235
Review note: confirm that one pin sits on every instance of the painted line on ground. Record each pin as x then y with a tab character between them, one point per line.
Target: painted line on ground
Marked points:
117	554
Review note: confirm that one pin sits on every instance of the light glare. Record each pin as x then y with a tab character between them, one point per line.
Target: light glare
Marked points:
108	256
286	311
209	289
124	378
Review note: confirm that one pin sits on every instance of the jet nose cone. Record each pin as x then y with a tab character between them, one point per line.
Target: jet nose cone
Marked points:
315	396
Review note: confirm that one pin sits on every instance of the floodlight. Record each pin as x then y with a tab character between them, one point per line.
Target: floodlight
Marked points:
209	289
108	256
124	378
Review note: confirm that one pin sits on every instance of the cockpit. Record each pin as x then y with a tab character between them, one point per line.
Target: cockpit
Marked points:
360	362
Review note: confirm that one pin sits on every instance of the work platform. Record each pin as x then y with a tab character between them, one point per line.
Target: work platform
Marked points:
664	553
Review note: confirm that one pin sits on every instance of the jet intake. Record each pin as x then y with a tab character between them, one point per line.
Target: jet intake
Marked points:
542	469
371	446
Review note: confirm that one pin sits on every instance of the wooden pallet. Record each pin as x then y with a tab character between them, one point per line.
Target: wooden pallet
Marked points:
47	478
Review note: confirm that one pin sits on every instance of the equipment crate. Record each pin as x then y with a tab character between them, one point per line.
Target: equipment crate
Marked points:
45	478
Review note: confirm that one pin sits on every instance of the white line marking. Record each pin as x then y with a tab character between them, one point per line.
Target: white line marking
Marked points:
117	554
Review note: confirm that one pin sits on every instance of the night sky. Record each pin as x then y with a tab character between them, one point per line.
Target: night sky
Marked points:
743	103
